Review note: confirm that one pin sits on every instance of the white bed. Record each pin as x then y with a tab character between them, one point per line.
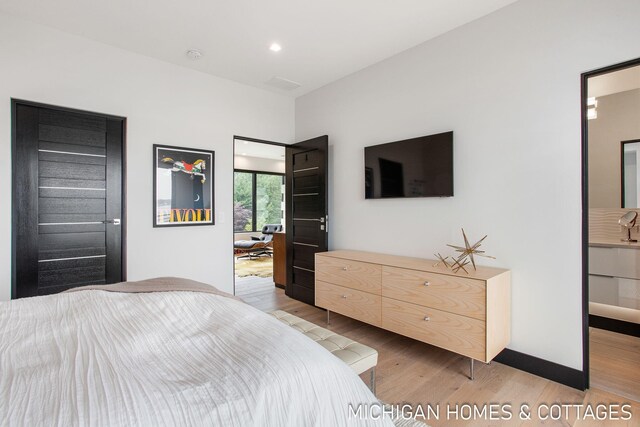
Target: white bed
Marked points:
175	358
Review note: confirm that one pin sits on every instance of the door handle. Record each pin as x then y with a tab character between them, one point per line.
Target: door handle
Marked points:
115	221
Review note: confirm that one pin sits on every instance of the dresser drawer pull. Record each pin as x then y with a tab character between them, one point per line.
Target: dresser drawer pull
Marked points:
427	283
344	268
427	318
344	296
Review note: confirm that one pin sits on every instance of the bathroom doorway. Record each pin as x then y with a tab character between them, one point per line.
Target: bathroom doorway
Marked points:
611	228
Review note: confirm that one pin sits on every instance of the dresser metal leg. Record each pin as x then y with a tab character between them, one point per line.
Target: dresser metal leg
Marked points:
372	382
471	369
328	316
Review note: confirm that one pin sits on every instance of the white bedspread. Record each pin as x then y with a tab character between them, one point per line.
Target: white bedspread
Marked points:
165	358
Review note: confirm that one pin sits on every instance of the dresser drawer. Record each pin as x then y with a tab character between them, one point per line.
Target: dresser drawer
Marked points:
352	303
351	274
453	332
458	295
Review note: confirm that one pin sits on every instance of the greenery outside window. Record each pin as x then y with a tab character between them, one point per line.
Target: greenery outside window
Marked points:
257	200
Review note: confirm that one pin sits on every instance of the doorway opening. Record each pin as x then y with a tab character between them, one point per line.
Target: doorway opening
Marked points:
289	236
611	252
259	211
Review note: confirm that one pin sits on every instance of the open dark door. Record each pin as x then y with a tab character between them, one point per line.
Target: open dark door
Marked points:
306	214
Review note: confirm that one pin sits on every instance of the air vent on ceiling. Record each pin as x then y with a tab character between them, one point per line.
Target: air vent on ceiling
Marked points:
282	83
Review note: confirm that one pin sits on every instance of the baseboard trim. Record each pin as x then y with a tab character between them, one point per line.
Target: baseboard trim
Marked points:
614	325
542	368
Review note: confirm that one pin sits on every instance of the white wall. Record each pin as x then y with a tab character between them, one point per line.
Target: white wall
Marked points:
164	104
508	85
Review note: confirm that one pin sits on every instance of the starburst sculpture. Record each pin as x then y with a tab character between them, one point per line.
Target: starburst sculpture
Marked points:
467	254
442	260
459	264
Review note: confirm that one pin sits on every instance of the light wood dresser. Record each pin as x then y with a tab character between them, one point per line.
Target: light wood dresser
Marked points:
469	314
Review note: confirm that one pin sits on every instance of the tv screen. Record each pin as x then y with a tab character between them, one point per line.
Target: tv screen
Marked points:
416	167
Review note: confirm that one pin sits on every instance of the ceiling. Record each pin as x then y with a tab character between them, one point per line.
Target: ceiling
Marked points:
322	41
615	82
261	150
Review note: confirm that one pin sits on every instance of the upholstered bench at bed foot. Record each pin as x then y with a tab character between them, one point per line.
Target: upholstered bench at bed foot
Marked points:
358	356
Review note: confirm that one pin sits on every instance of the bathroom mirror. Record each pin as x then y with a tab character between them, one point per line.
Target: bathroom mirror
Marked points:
630	151
613	139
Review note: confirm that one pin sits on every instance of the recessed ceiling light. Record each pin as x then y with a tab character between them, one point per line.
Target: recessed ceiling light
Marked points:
244	154
194	54
275	47
246	142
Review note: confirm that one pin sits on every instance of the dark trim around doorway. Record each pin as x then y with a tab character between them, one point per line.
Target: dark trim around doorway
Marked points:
585	205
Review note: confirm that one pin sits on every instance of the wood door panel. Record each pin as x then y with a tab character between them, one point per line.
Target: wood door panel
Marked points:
303	256
71	217
306	206
71	253
97	261
77	137
306	160
113	233
63	193
72	171
307	233
303	277
74	120
455	294
459	334
307	182
71	277
73	183
72	148
71	205
25	200
70	228
48	156
71	241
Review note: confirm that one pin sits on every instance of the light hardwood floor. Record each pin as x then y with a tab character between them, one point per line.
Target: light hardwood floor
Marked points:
615	363
413	372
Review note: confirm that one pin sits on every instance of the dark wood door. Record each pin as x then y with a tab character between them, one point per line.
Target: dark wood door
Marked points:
67	199
307	214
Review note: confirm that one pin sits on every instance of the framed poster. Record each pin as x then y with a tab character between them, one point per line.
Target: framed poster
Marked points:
182	186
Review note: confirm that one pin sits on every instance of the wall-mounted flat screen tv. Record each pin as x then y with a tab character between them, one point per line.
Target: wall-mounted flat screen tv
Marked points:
416	167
